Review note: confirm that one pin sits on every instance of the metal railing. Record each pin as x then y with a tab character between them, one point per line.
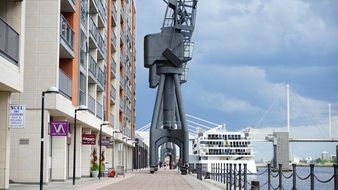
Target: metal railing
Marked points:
82	97
92	66
101	76
101	43
99	110
91	104
65	84
113	92
114	14
9	41
112	119
113	65
121	104
103	12
66	32
234	176
114	38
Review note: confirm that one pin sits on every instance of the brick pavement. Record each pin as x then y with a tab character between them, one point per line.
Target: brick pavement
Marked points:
137	180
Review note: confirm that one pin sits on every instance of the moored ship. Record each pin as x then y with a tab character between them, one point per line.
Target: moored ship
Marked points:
220	146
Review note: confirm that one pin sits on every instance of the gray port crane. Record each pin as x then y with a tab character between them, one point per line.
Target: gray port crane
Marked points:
166	55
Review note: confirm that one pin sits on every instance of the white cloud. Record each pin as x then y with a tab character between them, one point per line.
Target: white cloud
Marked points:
262	27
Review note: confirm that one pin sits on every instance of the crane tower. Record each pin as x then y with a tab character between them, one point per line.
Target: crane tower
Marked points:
166	55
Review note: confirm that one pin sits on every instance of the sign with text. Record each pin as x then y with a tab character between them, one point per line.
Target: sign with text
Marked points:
59	128
88	139
17	116
107	143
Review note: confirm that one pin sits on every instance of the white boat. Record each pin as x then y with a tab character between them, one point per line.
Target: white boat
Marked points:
220	146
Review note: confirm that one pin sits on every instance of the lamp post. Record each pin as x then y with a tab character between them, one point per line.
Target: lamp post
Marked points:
50	90
80	108
100	141
113	164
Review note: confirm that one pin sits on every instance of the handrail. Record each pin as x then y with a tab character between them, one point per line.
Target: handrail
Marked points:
66	32
9	39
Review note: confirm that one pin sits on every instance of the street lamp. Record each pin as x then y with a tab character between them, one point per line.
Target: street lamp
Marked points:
80	108
100	141
50	90
113	164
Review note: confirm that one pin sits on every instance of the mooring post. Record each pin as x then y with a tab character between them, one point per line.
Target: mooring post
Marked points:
294	177
254	185
312	176
224	172
235	176
230	176
280	176
227	178
240	176
245	176
335	168
269	176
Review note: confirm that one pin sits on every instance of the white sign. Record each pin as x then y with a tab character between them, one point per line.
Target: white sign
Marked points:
17	116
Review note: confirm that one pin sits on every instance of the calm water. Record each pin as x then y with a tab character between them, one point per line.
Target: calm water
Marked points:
323	173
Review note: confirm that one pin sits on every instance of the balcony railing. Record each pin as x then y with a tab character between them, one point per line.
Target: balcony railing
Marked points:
112	120
121	104
101	76
65	84
128	92
113	92
9	42
91	104
113	38
66	32
92	66
103	12
97	37
99	110
113	65
114	15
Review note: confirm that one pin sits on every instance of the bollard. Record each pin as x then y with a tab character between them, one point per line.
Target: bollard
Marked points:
269	176
235	176
224	173
245	177
312	176
230	182
294	177
254	185
280	176
227	178
240	176
335	168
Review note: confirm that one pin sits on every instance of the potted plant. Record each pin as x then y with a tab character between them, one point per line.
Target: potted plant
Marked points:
94	169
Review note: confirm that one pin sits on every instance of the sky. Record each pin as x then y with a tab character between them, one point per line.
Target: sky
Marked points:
245	54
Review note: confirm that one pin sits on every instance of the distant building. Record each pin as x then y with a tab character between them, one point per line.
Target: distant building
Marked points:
308	159
325	155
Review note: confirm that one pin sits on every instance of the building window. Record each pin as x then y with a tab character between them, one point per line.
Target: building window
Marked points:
83	85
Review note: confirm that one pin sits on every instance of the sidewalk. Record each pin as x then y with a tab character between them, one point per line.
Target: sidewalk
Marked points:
85	183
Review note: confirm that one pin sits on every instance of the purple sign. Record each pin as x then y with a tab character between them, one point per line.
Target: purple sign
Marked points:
59	128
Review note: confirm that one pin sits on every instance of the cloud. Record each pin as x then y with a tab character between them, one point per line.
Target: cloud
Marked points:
264	27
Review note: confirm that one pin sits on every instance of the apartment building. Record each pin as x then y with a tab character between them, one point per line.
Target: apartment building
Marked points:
12	38
85	48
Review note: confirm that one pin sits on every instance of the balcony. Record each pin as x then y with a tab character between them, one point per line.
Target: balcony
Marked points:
9	42
92	68
113	93
99	110
122	81
114	41
103	12
123	58
66	39
113	67
96	74
93	7
114	15
112	120
128	93
121	104
101	77
96	40
65	84
123	37
68	6
91	104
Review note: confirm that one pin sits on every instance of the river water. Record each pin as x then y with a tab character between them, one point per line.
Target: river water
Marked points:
322	173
